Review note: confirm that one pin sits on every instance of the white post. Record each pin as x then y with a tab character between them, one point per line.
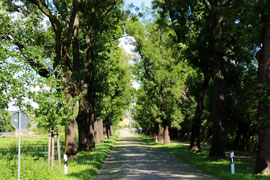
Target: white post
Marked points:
156	139
19	148
105	138
65	164
232	163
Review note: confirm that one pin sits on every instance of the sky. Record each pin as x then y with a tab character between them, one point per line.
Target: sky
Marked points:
138	3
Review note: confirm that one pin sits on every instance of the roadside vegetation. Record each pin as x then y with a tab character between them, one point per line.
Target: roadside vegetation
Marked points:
220	168
34	163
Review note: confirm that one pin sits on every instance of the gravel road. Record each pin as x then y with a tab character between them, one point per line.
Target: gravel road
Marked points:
131	158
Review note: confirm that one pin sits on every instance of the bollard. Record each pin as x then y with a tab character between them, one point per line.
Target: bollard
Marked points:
232	163
65	164
156	139
105	138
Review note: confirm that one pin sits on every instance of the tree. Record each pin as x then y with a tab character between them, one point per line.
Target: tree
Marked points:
263	57
214	39
71	43
160	73
114	84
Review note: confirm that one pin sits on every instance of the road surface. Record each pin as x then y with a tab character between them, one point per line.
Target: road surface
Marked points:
131	158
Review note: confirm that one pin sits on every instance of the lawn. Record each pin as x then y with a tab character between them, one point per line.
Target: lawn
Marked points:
34	160
219	168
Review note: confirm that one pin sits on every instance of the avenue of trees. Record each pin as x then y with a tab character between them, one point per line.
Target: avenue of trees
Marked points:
203	69
64	55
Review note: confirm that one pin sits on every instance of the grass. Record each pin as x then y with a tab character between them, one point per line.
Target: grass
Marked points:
220	168
34	160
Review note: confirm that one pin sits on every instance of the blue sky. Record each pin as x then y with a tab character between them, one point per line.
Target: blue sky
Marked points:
138	3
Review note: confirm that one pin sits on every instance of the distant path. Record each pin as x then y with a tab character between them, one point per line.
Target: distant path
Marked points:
131	158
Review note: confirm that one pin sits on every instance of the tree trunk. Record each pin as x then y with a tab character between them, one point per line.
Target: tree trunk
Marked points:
263	156
101	130
244	144
52	135
237	138
195	141
160	133
108	131
167	140
111	130
218	142
49	148
59	150
208	135
96	132
85	136
71	140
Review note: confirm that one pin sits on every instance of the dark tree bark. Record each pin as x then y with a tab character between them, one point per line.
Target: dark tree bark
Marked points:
166	134
218	140
111	130
237	138
86	134
263	156
195	141
71	140
108	131
160	133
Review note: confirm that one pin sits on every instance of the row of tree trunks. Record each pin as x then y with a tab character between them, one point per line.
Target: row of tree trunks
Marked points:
51	149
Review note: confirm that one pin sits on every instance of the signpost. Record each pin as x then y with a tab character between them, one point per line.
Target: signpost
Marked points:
65	164
19	120
232	163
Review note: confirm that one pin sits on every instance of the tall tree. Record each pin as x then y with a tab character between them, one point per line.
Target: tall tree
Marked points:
73	34
263	57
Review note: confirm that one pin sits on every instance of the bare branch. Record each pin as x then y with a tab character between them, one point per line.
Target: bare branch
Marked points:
71	25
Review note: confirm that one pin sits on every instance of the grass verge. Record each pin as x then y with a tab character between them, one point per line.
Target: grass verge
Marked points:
220	168
34	160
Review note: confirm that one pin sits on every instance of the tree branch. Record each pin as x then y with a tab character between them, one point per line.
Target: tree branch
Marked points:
56	27
43	7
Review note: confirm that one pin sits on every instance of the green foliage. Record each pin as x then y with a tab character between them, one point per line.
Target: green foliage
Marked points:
53	108
113	82
161	75
5	121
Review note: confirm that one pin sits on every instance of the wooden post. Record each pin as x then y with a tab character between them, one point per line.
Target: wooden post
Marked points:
58	150
52	165
49	148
